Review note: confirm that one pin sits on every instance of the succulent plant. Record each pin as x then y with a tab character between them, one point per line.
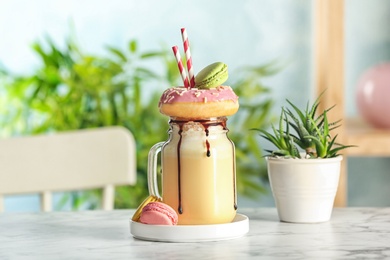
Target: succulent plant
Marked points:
311	133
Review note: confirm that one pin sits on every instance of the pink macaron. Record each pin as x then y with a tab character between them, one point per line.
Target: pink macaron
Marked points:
158	213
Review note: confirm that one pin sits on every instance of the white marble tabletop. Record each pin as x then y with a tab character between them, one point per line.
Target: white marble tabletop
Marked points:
352	233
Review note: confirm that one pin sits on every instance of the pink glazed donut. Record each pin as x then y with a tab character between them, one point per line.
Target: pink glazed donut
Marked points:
194	103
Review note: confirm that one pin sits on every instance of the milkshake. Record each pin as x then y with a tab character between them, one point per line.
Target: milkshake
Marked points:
198	167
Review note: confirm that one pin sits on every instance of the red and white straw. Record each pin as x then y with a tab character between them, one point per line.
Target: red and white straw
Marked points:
183	73
187	51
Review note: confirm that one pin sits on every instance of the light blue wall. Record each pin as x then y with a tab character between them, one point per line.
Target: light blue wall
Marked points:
247	32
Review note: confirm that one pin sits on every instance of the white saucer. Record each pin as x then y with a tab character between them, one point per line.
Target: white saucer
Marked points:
191	233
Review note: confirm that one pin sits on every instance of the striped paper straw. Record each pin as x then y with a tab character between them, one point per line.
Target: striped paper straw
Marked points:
183	73
187	51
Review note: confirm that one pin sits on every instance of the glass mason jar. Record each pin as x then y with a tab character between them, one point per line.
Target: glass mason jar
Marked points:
198	171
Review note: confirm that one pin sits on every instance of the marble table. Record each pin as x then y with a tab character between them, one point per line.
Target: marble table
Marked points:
352	233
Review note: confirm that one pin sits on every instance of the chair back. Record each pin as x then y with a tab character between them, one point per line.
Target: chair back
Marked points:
75	160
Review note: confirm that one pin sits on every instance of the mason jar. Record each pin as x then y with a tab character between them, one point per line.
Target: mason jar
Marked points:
198	171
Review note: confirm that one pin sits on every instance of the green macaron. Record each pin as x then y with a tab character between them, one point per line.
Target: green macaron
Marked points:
212	76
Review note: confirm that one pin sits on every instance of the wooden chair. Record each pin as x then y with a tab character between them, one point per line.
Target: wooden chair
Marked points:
74	160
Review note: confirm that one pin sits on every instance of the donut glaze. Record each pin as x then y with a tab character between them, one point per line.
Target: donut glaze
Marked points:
198	103
181	94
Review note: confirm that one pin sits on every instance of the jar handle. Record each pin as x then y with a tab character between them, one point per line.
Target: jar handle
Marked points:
152	169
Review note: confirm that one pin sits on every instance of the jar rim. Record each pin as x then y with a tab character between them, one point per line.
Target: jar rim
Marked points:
205	123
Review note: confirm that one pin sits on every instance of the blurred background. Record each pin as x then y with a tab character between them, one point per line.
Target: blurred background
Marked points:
49	49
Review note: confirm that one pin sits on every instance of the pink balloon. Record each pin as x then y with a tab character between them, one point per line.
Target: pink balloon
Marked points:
373	95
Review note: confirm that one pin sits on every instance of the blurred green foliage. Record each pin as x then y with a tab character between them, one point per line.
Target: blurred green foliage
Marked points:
74	90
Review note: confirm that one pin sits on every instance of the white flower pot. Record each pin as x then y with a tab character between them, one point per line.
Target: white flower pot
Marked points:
304	189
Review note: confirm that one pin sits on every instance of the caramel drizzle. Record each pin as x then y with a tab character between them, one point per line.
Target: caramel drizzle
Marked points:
180	209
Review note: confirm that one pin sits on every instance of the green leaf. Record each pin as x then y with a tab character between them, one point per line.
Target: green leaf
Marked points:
117	53
333	152
326	126
133	46
152	54
298	111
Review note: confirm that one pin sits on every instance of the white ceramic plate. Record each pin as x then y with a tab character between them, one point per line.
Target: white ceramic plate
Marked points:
191	233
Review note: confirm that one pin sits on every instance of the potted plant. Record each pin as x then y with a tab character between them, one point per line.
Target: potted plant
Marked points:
304	182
